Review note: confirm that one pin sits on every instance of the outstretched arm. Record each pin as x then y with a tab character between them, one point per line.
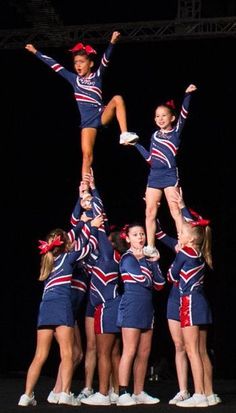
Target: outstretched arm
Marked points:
145	154
49	61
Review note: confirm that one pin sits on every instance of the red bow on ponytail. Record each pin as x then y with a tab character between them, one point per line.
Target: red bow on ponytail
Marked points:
123	232
195	214
48	246
170	104
79	46
199	220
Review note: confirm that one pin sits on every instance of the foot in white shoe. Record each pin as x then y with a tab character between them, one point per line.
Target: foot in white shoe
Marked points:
144	398
151	251
26	400
53	397
213	399
128	137
181	395
86	392
113	396
125	400
97	399
69	399
197	400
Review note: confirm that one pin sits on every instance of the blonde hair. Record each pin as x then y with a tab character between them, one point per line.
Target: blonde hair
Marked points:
203	240
47	260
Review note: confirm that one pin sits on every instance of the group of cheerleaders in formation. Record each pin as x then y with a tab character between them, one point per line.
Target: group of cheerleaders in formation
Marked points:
116	271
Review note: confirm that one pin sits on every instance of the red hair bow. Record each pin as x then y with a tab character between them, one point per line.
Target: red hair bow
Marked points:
48	246
123	232
199	220
79	46
171	104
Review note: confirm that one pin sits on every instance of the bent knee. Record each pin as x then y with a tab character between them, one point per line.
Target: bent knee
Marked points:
118	99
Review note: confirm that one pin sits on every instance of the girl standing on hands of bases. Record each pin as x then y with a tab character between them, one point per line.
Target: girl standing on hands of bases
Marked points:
87	86
163	176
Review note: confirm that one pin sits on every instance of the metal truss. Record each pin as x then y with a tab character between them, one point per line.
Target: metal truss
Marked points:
48	30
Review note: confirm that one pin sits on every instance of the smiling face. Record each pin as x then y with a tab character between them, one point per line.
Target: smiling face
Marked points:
164	118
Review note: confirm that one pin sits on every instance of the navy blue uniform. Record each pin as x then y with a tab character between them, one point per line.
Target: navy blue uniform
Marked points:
139	278
173	302
163	150
187	273
56	306
188	269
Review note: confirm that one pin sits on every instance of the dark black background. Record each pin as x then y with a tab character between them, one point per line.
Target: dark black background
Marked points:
41	162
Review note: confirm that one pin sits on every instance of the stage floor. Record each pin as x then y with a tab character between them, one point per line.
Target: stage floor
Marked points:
12	386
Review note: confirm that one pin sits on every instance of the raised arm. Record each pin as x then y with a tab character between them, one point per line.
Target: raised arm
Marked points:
107	54
92	243
167	240
185	212
185	107
97	204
